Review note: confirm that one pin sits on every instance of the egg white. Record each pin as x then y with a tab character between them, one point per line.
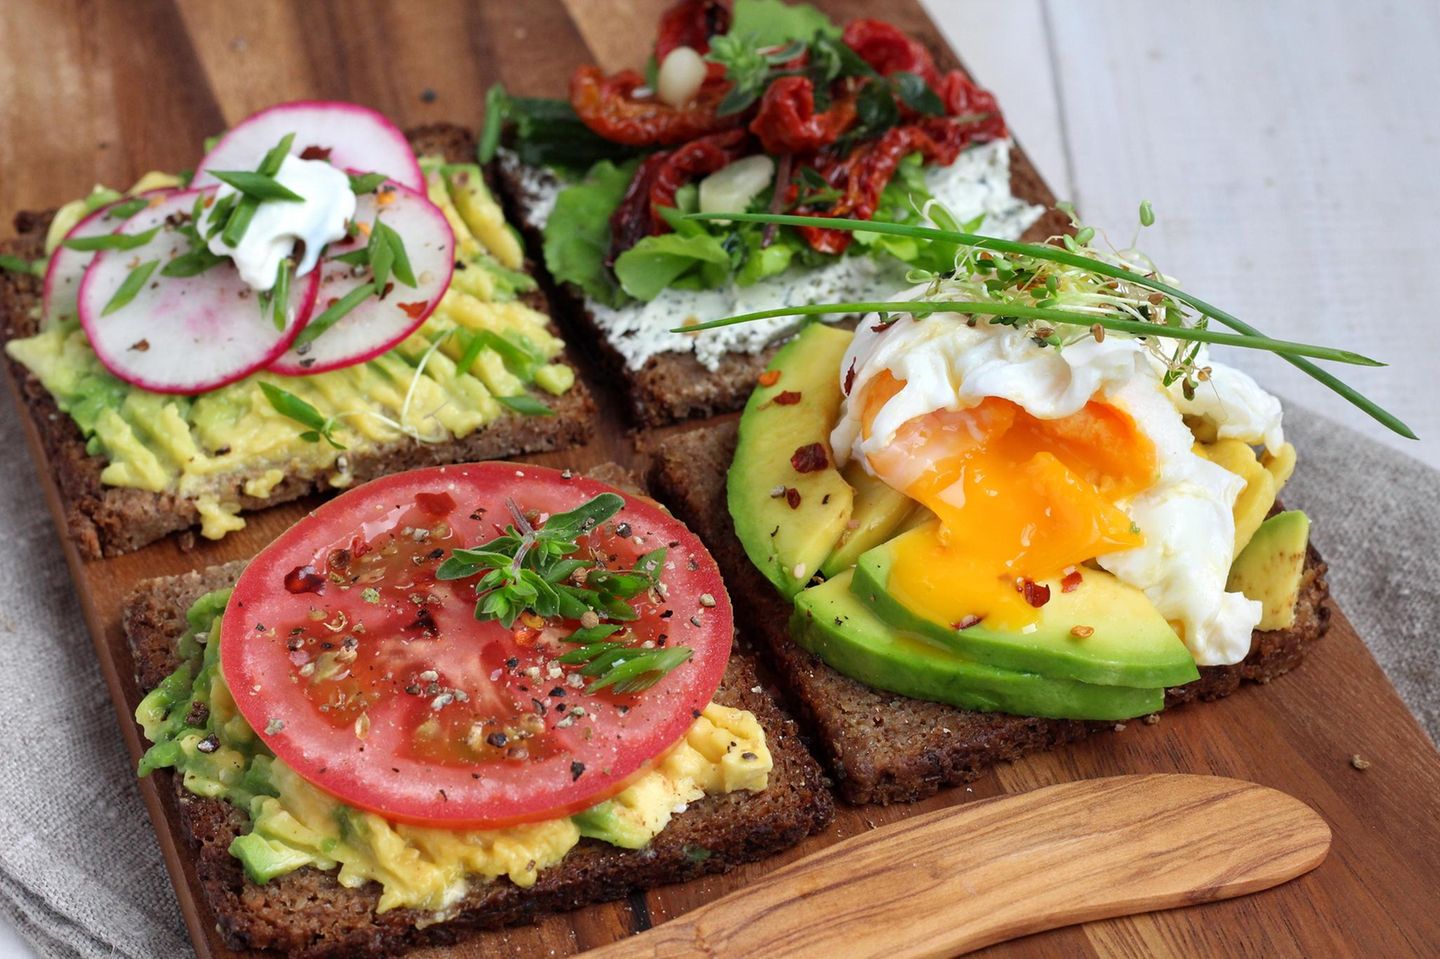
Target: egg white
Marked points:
1186	515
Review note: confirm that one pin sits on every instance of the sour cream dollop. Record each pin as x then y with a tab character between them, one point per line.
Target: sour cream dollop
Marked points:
278	225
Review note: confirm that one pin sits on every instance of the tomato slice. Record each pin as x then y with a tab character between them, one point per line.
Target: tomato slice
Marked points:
374	681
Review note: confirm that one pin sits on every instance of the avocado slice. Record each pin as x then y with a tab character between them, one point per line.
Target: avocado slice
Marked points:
1131	644
831	622
605	821
1268	570
789	520
879	511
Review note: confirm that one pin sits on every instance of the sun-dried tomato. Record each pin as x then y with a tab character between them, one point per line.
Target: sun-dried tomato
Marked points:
787	121
863	174
691	23
659	177
888	50
608	106
810	458
962	98
631	219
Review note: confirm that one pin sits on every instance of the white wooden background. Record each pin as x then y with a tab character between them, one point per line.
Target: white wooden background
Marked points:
1290	149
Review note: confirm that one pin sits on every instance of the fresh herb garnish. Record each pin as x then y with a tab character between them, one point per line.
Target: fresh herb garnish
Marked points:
1173	300
535	569
134	282
362	183
387	254
546	132
526	405
276	300
334	313
197	261
749	68
111	241
258	185
127	208
14	264
916	94
288	404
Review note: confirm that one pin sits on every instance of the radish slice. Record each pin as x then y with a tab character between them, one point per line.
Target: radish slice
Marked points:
182	334
67	267
377	324
350	136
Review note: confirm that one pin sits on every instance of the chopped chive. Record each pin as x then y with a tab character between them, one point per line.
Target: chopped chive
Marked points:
280	295
471	354
239	221
111	241
1137	327
526	405
133	284
335	313
125	209
382	255
362	183
258	185
194	263
403	271
288	404
14	264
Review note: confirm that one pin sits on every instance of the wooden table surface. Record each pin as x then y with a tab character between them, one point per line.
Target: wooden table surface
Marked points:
104	91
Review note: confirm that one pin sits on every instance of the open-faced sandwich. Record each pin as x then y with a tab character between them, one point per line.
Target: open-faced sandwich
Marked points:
1017	503
759	106
323	301
457	698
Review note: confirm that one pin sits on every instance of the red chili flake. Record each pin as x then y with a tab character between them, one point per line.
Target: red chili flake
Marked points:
850	378
769	378
810	458
315	153
436	504
304	579
787	398
1035	594
792	496
414	310
966	622
882	327
1071	582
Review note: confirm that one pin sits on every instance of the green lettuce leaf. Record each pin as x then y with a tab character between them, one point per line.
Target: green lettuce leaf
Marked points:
577	235
695	261
775	23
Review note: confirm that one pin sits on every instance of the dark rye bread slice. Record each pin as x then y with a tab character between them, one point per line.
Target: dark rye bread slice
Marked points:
108	520
676	386
307	913
881	747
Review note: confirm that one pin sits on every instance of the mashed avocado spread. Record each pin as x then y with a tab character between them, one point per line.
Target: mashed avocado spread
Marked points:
228	443
196	730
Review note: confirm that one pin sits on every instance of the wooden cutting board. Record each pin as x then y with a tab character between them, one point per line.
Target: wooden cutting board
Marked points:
104	91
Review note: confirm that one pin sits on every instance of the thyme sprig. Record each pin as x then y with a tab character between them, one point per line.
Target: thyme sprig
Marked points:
546	570
1168	313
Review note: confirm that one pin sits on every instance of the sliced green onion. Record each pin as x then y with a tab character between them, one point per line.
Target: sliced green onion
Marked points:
14	264
335	313
258	185
526	405
111	241
280	294
134	283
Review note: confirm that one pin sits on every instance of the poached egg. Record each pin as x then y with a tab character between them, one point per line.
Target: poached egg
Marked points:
1037	460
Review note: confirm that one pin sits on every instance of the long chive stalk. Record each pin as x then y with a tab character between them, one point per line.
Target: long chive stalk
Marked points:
1049	315
1058	255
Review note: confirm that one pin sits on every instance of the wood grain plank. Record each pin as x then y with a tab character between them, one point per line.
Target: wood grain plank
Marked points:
165	75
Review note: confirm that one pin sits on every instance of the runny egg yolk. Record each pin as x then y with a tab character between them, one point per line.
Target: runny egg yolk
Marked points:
1017	499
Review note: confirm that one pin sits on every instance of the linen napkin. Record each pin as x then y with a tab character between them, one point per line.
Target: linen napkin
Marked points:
80	871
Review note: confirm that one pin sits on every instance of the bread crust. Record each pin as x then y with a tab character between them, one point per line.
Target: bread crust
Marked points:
109	520
881	747
308	914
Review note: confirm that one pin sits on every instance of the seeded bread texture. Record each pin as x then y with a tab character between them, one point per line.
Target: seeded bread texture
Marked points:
675	386
881	747
108	520
308	914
